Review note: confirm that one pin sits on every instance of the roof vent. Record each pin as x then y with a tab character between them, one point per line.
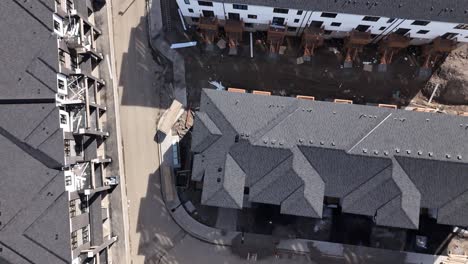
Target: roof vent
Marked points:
376	152
408	151
447	156
431	154
364	150
419	153
459	157
397	150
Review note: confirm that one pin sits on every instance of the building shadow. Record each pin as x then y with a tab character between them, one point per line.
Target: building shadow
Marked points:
143	78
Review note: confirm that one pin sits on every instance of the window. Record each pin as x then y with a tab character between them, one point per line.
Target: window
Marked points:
292	29
252	16
241	7
190	10
246	190
462	26
249	25
62	57
315	23
74	240
278	21
187	2
281	10
68	180
390	20
58	25
61	83
335	24
402	31
382	28
420	23
205	3
85	234
330	15
299	12
449	35
362	28
63	119
296	20
371	18
195	19
234	16
72	208
208	13
423	31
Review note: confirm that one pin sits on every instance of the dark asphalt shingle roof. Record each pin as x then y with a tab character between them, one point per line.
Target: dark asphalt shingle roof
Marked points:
35	225
378	162
434	10
29	50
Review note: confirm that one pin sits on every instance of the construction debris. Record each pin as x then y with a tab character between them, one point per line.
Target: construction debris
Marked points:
451	79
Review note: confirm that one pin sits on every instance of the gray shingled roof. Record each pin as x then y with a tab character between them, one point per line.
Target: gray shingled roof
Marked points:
434	10
379	162
34	220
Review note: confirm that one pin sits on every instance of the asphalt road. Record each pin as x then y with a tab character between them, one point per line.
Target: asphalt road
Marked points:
154	237
152	231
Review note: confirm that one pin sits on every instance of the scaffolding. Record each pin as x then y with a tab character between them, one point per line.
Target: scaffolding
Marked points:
275	37
312	38
355	43
391	45
234	30
437	49
209	29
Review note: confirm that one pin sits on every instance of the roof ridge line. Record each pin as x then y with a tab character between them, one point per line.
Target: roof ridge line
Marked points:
39	124
369	133
454	198
287	157
291	109
372	177
291	194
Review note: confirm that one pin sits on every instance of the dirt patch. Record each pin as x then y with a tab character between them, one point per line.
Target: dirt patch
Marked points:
451	79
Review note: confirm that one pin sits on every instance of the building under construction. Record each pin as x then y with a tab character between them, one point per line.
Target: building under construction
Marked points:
56	187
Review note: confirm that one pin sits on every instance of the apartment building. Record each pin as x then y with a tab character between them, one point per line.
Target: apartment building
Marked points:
422	21
54	195
302	156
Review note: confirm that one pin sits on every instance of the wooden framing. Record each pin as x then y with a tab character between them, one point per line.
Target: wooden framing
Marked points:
261	92
391	106
236	90
343	101
305	97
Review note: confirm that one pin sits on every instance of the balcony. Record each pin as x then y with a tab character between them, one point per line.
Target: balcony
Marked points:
81	35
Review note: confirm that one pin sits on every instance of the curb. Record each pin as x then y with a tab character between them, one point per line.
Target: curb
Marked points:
122	185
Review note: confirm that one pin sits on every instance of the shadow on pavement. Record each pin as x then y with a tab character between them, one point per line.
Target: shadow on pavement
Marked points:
139	58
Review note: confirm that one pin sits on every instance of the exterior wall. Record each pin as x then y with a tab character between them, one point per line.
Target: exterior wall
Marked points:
80	75
264	15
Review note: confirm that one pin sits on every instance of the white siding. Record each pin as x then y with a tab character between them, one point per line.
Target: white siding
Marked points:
348	22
